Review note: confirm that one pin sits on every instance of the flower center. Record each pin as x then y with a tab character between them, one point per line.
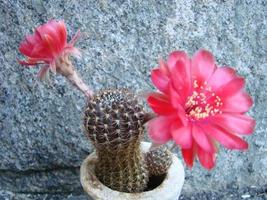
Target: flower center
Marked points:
202	103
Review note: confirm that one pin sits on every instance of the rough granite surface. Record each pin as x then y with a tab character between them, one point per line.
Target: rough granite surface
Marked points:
41	138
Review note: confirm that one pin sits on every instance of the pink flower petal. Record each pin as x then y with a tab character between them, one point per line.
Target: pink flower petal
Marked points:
206	159
182	135
227	139
179	66
49	43
189	155
32	40
202	66
40	51
235	123
221	76
50	29
176	56
180	79
202	139
231	88
62	32
160	80
43	71
160	104
75	38
179	75
53	67
27	63
175	98
238	103
25	48
178	105
159	128
164	68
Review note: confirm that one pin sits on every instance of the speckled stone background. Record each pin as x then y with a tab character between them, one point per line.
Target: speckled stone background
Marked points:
41	139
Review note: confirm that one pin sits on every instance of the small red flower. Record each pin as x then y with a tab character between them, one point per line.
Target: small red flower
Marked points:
46	45
199	104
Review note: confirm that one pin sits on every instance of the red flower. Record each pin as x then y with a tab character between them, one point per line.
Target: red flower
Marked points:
46	45
199	104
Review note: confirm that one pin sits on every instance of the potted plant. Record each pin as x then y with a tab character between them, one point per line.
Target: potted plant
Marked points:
197	105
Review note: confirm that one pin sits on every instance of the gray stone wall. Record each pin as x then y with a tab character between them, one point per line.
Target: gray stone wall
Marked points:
41	139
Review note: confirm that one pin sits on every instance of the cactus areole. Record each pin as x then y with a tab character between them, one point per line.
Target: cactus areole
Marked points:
197	106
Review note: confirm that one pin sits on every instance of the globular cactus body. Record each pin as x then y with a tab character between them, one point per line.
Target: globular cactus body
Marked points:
114	123
158	160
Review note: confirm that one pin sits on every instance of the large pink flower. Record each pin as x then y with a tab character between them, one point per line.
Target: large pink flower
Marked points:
46	45
199	104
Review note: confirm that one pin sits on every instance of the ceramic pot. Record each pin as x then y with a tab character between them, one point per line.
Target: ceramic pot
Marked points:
168	189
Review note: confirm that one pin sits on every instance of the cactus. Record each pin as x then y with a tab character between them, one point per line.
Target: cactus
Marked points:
114	123
158	160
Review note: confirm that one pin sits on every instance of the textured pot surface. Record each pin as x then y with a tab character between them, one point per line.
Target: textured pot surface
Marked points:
169	189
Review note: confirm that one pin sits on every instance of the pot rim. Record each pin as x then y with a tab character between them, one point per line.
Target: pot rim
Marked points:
173	181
